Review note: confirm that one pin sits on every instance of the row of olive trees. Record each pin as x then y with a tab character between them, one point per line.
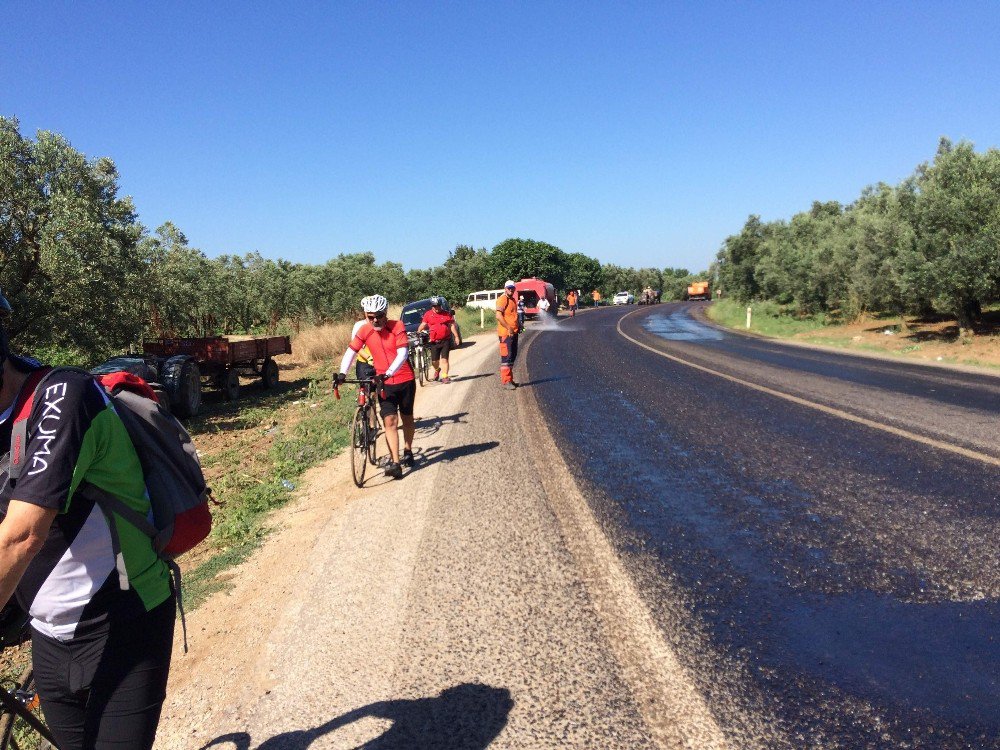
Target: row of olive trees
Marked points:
931	243
86	279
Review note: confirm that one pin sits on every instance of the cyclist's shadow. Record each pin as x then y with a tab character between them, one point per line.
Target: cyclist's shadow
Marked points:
464	717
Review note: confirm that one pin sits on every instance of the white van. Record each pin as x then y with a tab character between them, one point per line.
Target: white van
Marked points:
486	298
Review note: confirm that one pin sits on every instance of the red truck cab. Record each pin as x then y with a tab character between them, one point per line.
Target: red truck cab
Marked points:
533	289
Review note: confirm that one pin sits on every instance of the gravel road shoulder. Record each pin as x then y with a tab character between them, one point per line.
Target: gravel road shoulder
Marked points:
445	610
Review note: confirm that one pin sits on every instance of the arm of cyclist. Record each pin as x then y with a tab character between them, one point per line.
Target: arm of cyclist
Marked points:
401	354
345	364
22	533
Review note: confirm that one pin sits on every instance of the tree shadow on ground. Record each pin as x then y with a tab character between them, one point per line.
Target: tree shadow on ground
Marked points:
985	324
465	717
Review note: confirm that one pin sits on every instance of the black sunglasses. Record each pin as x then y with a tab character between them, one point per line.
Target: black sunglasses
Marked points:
375	316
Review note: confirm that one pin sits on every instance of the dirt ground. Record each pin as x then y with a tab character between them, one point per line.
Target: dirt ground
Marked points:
928	340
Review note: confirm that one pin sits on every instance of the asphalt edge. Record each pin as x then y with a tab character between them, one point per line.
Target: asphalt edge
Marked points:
667	699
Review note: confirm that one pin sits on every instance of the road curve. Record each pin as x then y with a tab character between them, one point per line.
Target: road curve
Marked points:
826	582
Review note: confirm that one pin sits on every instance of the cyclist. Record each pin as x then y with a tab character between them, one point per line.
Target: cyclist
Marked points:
507	330
397	388
101	623
440	326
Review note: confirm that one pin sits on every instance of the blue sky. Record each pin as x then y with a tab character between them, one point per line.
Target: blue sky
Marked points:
638	133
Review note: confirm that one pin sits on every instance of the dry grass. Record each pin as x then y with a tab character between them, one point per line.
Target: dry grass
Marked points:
328	341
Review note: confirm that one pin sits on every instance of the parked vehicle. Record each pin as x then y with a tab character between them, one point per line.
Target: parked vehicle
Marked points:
699	290
182	366
413	314
486	298
533	289
624	298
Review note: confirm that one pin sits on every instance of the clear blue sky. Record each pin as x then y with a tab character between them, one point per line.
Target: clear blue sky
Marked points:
638	133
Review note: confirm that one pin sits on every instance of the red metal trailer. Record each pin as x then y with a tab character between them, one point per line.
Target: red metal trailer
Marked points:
223	359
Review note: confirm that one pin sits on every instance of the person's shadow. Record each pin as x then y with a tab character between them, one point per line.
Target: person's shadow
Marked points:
465	717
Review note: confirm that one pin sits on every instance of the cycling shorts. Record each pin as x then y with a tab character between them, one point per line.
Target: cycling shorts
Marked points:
364	371
440	348
399	397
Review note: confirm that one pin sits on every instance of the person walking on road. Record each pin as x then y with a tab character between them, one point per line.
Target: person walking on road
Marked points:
571	302
102	614
543	305
596	296
397	386
507	330
440	326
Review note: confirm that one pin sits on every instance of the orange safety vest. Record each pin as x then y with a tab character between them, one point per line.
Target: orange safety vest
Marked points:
507	308
571	298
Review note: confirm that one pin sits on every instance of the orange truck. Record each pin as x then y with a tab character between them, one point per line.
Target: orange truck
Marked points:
699	290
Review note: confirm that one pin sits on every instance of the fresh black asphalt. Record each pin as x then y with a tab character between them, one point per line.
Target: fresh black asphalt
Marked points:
827	584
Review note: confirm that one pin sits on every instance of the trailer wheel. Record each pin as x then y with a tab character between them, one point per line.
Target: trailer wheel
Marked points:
269	374
182	380
231	384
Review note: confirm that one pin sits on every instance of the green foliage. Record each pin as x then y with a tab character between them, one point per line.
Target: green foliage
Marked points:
70	261
930	243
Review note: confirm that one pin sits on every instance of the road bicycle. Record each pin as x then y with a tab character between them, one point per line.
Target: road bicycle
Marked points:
365	428
22	726
420	356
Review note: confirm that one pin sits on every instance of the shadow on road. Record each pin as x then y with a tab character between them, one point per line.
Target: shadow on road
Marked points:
540	381
436	453
464	717
430	425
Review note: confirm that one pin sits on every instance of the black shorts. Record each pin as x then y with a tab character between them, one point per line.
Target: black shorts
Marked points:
104	688
440	348
398	397
364	371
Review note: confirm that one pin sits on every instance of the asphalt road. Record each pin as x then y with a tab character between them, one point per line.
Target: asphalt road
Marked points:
814	533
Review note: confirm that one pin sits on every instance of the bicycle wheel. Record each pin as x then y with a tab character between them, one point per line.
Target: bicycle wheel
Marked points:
22	726
418	364
359	446
426	356
373	429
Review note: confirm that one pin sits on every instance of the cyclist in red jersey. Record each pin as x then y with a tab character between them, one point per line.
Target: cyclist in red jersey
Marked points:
397	388
440	325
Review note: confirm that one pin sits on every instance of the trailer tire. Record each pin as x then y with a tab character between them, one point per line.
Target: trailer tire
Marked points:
269	374
182	380
230	382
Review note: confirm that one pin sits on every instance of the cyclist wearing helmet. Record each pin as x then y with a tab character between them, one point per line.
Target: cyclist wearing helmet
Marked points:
386	340
440	325
102	619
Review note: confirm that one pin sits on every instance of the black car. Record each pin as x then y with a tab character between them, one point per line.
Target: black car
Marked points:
413	314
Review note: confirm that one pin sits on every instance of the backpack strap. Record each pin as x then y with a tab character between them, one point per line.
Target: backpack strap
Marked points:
111	505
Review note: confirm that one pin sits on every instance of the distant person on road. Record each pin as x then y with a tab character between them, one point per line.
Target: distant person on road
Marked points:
507	330
596	296
571	300
520	312
101	604
396	385
543	305
440	326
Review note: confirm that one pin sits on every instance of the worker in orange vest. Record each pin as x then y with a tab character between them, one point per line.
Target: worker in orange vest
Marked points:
571	302
507	331
596	296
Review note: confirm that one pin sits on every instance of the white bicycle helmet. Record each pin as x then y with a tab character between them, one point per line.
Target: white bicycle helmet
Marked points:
375	303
